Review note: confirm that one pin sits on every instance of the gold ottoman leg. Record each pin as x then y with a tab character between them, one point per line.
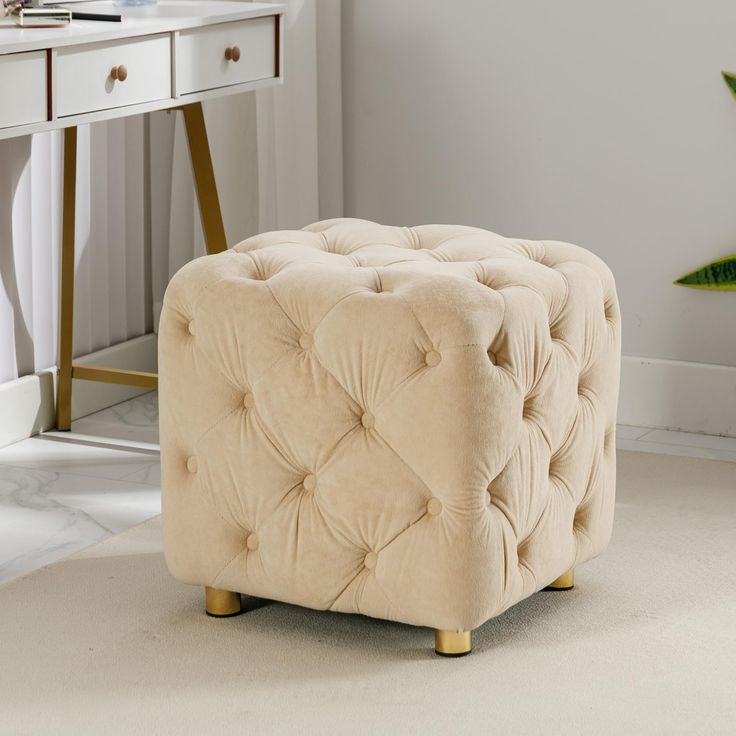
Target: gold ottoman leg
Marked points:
452	643
221	603
564	582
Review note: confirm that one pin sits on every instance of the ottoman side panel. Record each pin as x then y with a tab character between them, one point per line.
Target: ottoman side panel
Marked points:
249	420
451	424
558	489
194	397
590	325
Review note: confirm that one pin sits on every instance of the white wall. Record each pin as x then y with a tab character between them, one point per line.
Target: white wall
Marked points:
605	124
329	108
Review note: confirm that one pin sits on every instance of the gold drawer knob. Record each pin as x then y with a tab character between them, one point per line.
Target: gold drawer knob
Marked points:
119	73
232	53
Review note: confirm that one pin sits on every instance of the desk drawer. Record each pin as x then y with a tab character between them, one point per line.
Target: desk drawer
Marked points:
23	89
226	54
101	76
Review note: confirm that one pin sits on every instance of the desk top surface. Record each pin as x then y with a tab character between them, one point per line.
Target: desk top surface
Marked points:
166	16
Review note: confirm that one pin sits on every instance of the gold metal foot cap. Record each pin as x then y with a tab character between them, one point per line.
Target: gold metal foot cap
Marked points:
452	643
564	582
221	603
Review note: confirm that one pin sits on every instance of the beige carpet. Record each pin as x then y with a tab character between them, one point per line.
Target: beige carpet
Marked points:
107	643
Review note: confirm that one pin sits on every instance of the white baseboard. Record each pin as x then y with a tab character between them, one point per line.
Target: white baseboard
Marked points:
27	405
671	394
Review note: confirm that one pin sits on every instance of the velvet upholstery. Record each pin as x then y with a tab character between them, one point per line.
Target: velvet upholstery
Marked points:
416	424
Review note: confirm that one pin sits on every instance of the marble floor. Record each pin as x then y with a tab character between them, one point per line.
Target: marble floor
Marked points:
62	491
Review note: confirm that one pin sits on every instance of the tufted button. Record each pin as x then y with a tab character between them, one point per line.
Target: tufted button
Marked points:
432	358
309	483
252	542
192	464
489	498
368	420
434	507
249	400
370	560
306	341
190	327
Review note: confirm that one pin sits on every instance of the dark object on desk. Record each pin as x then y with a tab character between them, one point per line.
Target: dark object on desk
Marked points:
110	17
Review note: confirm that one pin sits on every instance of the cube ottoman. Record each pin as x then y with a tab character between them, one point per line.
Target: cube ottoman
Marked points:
415	424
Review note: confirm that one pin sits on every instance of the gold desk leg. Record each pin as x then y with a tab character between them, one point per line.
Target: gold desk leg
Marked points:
564	582
66	289
452	643
221	603
212	225
204	178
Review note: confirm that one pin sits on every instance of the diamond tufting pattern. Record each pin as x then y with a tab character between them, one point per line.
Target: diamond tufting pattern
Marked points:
416	424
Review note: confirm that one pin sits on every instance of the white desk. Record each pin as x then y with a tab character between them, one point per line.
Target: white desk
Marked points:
168	56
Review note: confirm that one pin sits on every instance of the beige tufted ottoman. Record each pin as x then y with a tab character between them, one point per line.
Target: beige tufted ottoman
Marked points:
415	424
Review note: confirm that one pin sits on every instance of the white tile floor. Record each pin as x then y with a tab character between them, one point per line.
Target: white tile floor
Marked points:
62	491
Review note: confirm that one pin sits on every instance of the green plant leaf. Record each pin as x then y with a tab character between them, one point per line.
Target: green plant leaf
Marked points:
719	275
730	79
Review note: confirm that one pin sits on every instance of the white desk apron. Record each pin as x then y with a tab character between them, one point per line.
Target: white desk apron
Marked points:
168	56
